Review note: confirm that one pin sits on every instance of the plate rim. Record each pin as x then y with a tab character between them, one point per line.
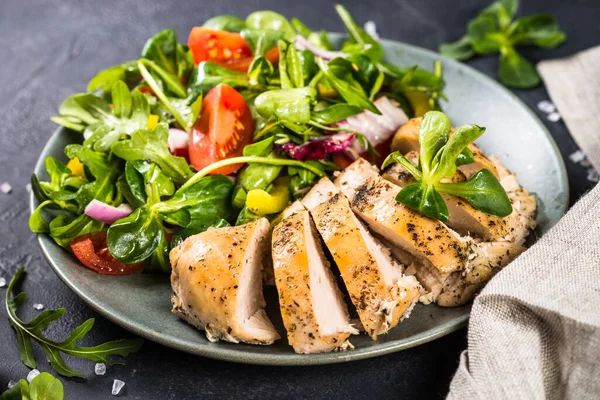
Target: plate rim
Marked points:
292	359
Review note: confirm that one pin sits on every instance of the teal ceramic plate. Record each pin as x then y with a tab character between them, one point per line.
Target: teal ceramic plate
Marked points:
141	303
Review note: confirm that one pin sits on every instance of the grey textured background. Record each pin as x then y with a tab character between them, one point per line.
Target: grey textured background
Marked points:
50	49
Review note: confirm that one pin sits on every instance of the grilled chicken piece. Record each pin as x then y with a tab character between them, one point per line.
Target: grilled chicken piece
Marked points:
463	217
459	287
382	294
523	203
406	140
314	313
216	283
373	199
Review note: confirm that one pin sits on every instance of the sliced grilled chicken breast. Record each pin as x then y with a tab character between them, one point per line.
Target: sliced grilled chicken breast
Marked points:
216	283
523	203
406	139
462	216
373	199
457	288
382	294
313	310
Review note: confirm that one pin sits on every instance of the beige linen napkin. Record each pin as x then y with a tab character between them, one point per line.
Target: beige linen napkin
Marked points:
534	331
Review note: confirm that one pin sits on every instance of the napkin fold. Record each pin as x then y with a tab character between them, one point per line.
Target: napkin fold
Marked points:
534	331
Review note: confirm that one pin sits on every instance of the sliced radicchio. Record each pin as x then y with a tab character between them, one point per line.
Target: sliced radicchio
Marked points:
318	148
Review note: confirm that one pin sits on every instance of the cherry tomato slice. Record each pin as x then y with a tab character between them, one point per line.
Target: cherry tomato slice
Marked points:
224	48
92	251
224	127
217	46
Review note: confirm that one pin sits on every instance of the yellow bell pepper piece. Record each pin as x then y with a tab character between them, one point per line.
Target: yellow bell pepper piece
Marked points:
262	202
419	102
76	167
152	121
326	91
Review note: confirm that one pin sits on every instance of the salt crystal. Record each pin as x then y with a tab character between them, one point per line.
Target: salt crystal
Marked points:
5	188
11	383
553	117
546	106
577	156
592	175
117	386
100	369
28	187
38	306
32	374
371	29
2	282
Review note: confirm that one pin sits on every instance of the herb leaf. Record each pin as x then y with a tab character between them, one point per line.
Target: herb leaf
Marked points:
152	144
483	191
32	330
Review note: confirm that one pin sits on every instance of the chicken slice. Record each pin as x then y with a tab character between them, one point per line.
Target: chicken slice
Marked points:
459	287
373	199
216	283
382	294
314	313
406	139
462	216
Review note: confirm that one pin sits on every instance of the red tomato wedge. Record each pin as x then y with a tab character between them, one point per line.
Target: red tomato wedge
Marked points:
92	251
225	48
224	127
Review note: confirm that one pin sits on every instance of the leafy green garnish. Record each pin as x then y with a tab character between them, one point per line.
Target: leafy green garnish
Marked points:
438	157
32	330
270	20
229	23
42	387
494	31
152	145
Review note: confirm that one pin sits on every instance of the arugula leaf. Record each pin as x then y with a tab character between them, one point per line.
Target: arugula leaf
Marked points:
152	145
438	155
229	23
494	31
32	330
271	20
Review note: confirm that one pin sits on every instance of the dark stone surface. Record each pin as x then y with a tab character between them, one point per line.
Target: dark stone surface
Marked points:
49	50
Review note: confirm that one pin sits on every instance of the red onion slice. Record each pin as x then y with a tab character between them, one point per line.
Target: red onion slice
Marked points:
303	44
178	139
106	213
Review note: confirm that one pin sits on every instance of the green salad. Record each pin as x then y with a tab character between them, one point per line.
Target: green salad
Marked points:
221	131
